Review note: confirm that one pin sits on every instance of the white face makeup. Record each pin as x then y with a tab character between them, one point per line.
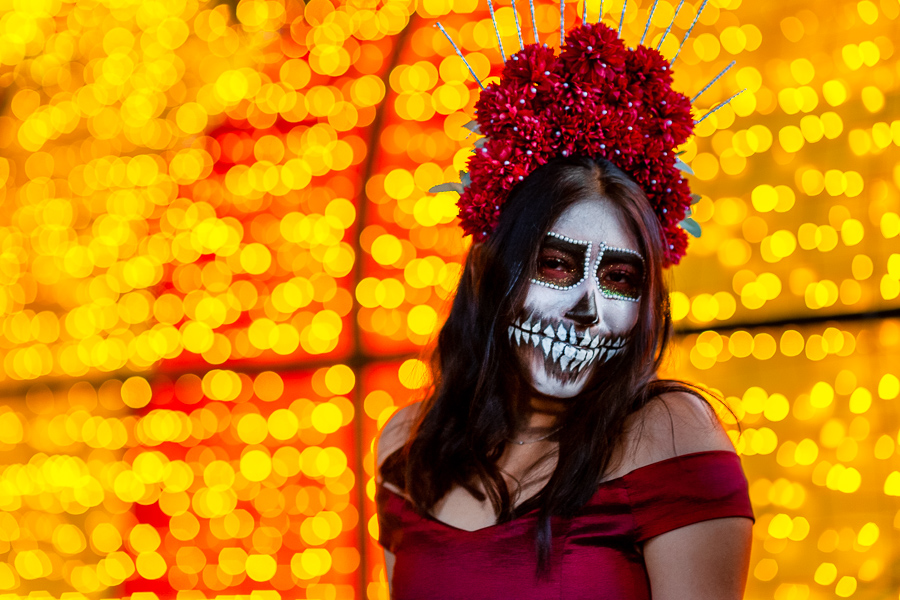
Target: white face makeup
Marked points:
583	299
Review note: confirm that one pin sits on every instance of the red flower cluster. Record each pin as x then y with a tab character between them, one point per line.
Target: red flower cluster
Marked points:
598	99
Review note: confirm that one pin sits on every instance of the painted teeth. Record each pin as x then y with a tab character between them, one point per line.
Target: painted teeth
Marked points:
586	339
563	346
546	344
557	350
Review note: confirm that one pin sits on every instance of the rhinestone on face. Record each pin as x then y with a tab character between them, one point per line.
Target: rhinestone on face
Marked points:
587	267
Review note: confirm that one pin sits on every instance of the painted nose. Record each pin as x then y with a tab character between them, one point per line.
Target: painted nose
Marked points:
585	310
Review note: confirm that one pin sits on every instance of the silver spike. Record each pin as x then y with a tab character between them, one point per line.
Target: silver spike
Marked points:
572	338
584	13
595	342
622	18
533	21
569	351
564	362
562	22
718	106
458	53
535	339
527	324
511	331
561	333
714	79
650	18
582	354
518	336
688	34
496	29
600	18
518	29
537	326
546	345
549	332
669	28
601	354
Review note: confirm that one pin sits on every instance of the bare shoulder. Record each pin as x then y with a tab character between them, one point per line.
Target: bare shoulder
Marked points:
671	424
395	432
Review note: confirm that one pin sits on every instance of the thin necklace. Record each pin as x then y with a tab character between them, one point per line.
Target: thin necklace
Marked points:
521	443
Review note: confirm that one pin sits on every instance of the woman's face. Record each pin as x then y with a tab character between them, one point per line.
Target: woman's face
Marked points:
582	300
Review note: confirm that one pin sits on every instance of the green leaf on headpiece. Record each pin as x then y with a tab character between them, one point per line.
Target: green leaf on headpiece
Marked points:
464	179
691	226
680	153
681	165
695	198
473	127
447	187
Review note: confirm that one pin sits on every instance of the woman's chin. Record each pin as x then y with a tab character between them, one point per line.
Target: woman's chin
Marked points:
550	386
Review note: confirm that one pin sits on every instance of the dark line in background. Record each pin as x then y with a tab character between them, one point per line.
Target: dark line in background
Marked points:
799	321
358	359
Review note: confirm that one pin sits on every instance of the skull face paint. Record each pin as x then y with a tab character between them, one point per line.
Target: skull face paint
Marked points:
583	298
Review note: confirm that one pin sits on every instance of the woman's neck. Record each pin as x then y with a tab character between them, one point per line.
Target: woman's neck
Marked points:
539	415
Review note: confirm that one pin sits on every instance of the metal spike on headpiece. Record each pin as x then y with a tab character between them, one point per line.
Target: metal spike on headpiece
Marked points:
622	18
496	29
600	16
649	19
562	22
518	29
584	13
459	54
688	34
669	28
714	79
533	21
718	106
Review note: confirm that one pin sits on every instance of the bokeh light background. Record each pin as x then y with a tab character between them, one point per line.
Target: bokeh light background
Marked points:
219	267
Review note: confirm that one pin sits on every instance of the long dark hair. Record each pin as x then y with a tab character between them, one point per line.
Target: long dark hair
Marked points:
465	422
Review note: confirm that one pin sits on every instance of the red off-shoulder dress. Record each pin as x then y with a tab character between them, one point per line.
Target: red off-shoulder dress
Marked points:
594	553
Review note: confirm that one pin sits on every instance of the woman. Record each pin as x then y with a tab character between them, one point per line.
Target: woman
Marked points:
549	461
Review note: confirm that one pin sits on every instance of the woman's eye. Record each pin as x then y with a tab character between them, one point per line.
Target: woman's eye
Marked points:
557	268
621	280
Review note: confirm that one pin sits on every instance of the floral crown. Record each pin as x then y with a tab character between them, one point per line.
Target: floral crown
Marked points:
598	98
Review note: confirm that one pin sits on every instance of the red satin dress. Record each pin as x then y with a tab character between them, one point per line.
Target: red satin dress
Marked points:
594	553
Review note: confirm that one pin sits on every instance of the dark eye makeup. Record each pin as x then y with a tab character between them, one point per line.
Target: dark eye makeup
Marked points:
562	264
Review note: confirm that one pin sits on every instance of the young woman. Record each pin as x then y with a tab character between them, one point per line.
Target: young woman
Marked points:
549	461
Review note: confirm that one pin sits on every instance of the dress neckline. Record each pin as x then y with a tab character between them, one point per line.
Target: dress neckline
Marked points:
620	479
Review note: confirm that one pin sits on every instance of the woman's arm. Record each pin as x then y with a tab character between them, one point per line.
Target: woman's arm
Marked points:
704	561
708	560
392	437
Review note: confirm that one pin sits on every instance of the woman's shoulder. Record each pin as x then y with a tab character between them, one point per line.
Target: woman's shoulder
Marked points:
671	424
396	431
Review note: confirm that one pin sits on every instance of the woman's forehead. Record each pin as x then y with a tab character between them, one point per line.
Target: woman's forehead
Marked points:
596	220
